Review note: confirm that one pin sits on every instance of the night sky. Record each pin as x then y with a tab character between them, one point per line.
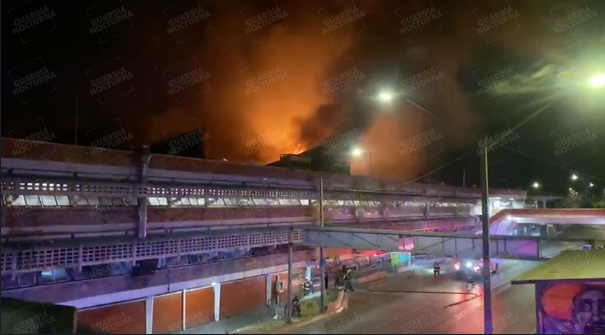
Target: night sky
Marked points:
294	74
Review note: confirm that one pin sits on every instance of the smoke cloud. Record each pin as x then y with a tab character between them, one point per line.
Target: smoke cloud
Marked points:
277	76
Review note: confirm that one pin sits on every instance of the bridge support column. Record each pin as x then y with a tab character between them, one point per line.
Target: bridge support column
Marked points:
427	209
543	231
308	273
322	261
551	231
289	302
385	211
149	315
217	301
142	201
521	230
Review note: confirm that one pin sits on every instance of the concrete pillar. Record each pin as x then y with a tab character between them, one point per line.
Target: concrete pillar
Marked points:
543	231
309	272
142	201
184	309
551	231
269	290
142	213
427	209
149	315
217	301
385	210
289	300
359	214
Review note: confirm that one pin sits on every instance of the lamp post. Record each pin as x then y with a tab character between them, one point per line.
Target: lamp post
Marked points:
487	279
357	152
597	81
322	261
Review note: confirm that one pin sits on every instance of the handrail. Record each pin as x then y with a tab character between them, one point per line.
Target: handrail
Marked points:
51	158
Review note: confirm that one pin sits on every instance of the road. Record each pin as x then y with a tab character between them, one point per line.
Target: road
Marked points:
418	303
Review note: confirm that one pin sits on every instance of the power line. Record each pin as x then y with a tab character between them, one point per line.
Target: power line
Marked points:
466	132
439	168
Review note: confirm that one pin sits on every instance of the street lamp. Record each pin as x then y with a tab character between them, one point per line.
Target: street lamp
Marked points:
535	185
597	81
590	184
356	152
574	177
385	97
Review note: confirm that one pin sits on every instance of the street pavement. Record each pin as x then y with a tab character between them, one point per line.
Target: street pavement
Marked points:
419	303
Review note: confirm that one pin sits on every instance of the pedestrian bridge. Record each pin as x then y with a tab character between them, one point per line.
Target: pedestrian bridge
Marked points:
506	221
443	244
19	258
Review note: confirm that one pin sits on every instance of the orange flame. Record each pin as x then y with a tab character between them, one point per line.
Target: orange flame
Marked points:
298	150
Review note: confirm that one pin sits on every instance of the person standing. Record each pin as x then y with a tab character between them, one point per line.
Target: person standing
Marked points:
348	278
326	280
436	269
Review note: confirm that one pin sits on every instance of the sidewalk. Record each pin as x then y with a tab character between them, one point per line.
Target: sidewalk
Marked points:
261	320
225	326
309	310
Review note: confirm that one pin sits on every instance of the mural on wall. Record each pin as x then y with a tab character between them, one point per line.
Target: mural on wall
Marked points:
572	308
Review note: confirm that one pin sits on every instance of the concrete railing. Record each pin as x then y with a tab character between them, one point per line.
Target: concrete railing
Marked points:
337	305
163	281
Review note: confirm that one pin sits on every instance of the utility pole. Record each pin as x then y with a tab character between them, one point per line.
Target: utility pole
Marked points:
464	178
322	262
290	256
487	279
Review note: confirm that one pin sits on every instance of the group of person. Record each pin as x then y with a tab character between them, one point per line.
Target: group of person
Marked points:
343	276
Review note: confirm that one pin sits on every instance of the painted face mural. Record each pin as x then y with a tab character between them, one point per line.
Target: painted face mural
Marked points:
573	309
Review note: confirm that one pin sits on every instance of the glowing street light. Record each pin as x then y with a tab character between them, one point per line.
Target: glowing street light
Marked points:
590	184
597	81
574	177
357	152
535	185
385	97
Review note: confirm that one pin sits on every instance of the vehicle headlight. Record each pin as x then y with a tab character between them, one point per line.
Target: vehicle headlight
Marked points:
469	264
